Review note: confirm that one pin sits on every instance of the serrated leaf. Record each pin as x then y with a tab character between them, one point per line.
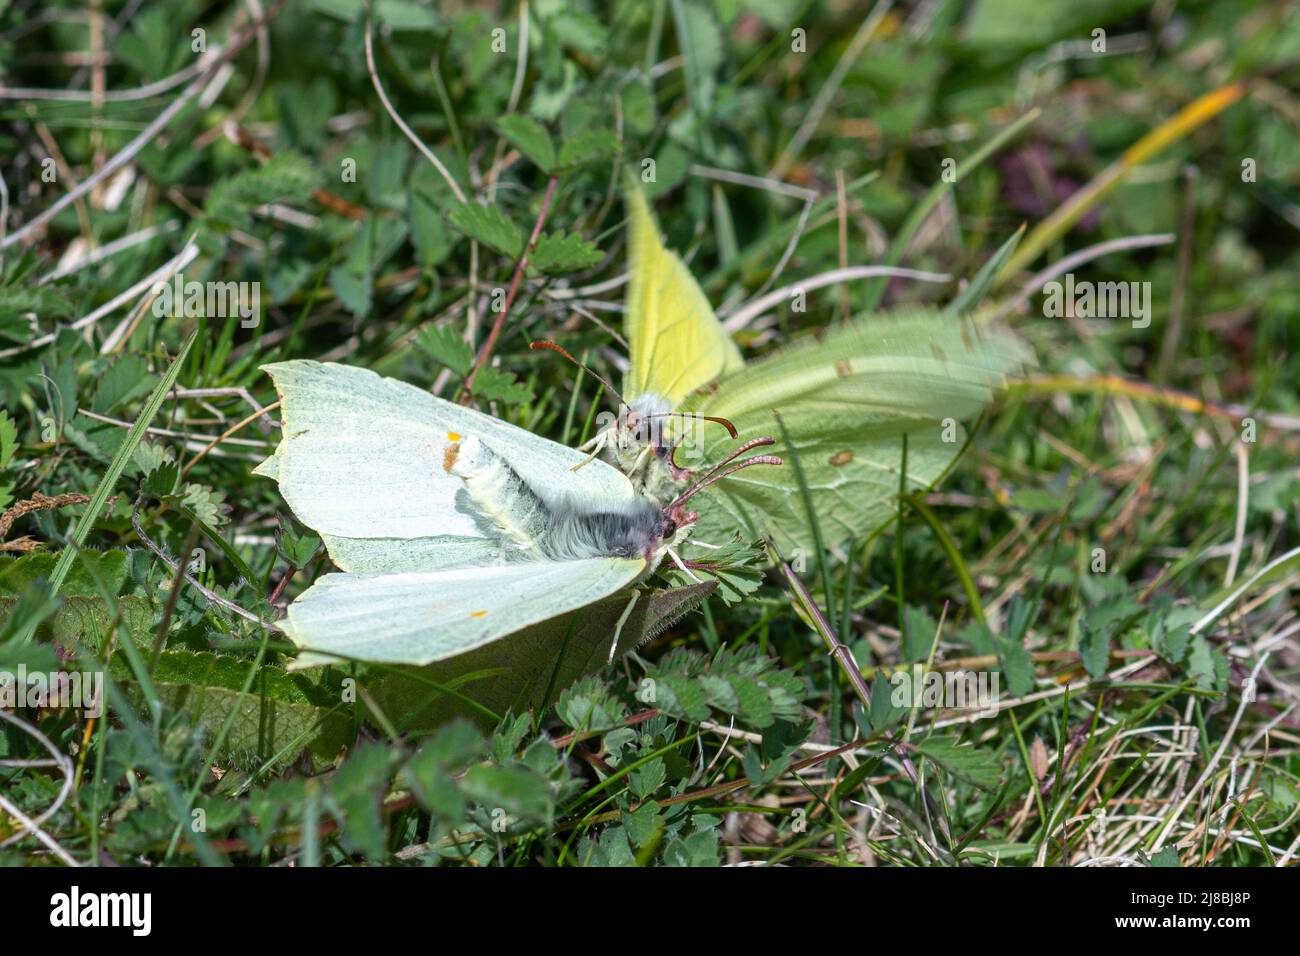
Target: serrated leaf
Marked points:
82	623
282	715
446	347
649	777
122	381
643	824
518	791
207	503
560	252
149	456
285	178
355	797
976	766
588	146
1017	666
497	385
1207	664
489	225
1094	650
298	548
681	697
530	138
1166	857
698	849
163	480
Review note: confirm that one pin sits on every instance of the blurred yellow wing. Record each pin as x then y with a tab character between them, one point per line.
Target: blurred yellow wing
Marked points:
677	343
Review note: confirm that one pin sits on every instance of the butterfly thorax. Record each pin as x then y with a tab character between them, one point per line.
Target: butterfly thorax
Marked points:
641	444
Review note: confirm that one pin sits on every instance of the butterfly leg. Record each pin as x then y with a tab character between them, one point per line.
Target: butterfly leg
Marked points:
681	564
641	460
622	619
597	445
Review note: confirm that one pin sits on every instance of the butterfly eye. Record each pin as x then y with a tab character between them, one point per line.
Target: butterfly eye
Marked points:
670	529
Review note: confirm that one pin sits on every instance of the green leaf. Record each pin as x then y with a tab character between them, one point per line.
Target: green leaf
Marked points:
588	705
428	229
355	792
648	778
588	146
497	385
207	504
1208	665
517	791
530	138
1094	649
396	15
643	824
285	178
430	773
446	347
82	622
149	456
124	379
557	252
698	849
489	225
297	547
976	766
681	697
1166	857
353	280
970	297
700	41
96	572
283	715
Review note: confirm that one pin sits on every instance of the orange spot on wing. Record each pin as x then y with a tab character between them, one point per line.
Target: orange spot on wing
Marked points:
478	613
453	436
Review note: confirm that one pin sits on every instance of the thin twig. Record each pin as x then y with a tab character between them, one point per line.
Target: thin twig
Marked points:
226	434
173	566
401	123
486	352
751	310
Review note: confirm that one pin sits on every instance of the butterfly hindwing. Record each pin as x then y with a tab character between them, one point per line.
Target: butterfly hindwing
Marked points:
418	617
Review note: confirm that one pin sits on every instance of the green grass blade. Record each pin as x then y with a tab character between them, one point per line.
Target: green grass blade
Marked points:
115	468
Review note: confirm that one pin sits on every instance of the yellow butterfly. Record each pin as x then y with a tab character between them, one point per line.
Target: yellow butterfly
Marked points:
848	399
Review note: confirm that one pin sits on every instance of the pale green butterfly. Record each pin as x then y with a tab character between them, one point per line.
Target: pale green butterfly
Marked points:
846	400
454	528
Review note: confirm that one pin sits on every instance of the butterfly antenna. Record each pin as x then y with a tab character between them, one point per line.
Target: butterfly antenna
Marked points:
752	443
717	420
716	475
556	348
